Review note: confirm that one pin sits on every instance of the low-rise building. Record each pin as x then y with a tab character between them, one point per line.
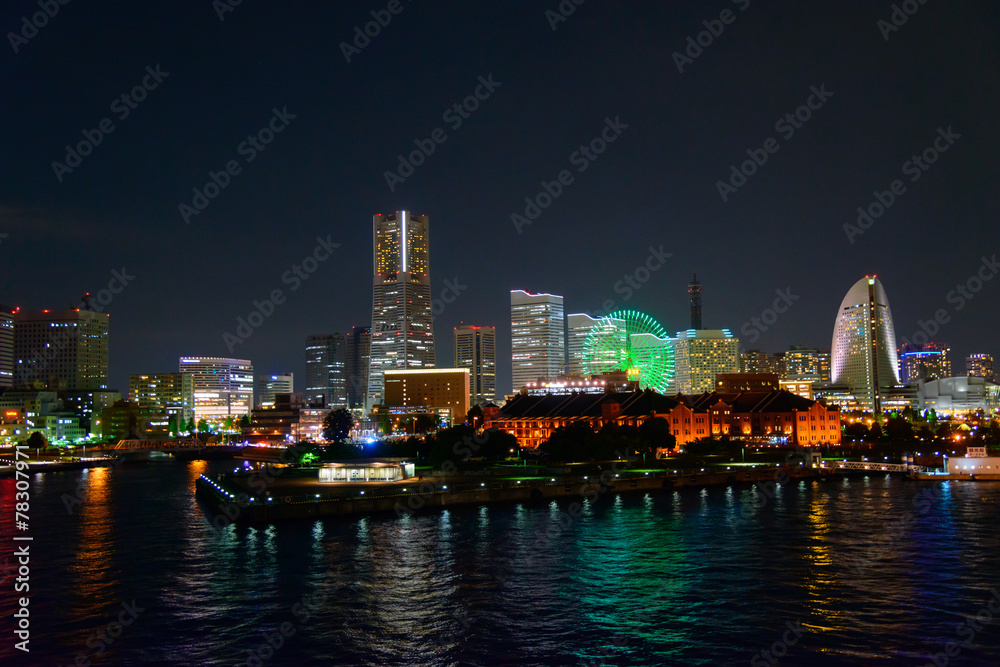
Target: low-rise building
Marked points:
774	417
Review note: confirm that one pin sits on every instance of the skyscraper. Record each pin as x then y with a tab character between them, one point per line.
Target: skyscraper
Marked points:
979	365
326	373
804	364
538	339
270	385
358	361
863	353
609	335
6	347
222	387
694	292
69	347
475	349
931	361
402	334
700	355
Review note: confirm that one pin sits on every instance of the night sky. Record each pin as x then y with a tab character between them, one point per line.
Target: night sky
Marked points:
323	175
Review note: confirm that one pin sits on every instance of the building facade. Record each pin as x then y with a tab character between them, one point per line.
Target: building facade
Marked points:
864	344
700	355
66	349
980	366
6	347
588	338
931	361
357	364
222	387
170	392
756	361
804	364
475	349
440	391
402	333
728	383
268	386
538	338
773	417
959	396
326	370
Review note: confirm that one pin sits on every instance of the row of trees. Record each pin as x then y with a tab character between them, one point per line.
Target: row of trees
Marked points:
579	442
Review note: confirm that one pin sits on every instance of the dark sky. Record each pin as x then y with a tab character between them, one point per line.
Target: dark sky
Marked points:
656	184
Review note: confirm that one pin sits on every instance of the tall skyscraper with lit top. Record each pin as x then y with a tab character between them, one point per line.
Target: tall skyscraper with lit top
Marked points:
402	334
863	355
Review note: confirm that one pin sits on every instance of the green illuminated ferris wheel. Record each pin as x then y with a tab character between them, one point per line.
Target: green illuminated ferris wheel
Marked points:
627	340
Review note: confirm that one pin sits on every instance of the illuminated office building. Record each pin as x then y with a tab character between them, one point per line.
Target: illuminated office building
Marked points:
863	356
700	355
402	333
326	371
66	349
222	387
6	347
931	361
475	349
979	366
538	339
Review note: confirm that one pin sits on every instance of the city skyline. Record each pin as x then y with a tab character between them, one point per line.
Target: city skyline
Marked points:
591	243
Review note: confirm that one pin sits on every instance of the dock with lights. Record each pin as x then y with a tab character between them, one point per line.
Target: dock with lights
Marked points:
297	493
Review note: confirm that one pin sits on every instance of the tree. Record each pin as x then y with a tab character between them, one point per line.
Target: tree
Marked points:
899	430
337	426
202	425
37	441
425	423
474	417
655	433
856	431
189	427
576	442
875	431
245	421
172	426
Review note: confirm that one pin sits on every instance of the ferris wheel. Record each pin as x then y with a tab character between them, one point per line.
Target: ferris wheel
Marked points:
630	341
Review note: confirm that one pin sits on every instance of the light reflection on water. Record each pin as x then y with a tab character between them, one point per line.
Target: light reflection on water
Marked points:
699	576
